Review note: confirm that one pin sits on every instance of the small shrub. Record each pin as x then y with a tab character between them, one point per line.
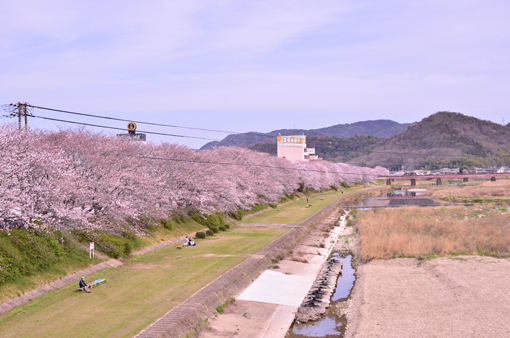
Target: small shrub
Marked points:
220	309
200	234
168	224
179	216
222	228
209	232
237	215
227	226
215	230
210	221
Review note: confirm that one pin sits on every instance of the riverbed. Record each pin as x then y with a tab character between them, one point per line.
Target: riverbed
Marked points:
461	296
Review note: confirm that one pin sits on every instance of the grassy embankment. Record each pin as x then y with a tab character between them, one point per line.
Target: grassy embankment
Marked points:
37	259
31	259
424	232
138	292
297	211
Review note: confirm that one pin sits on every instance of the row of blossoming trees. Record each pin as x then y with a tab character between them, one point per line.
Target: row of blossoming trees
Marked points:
90	180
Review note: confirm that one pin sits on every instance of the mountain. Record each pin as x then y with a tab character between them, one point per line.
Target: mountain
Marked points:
444	138
377	128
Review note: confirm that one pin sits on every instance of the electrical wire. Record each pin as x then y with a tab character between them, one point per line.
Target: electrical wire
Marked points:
123	129
184	136
143	122
212	139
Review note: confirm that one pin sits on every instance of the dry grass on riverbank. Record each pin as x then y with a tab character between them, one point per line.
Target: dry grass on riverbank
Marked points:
494	191
421	232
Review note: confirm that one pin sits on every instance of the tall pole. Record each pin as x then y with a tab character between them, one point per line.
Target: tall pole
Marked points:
26	115
19	115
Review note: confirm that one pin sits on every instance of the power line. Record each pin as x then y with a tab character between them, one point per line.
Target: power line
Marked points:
184	136
116	128
123	129
211	139
149	123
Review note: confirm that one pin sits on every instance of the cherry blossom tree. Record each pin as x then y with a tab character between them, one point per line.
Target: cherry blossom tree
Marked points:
82	179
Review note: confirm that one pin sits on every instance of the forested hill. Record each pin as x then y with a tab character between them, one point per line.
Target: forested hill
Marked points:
377	128
444	138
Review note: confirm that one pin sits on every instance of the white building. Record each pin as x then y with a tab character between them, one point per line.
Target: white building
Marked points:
293	148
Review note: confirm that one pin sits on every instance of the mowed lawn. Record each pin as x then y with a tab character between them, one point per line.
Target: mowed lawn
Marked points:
296	212
137	293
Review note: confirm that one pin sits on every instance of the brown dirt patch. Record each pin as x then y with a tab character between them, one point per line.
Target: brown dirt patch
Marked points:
149	266
209	255
445	297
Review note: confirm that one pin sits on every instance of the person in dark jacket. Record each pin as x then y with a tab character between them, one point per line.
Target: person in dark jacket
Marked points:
84	286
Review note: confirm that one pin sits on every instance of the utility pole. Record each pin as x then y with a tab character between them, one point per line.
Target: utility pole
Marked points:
18	109
26	115
22	111
19	115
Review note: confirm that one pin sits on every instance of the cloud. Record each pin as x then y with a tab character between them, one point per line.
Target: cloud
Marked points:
394	59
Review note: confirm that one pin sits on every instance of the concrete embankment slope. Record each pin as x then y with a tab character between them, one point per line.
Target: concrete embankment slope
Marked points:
192	313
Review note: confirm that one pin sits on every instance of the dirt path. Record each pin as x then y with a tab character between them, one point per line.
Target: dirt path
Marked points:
446	297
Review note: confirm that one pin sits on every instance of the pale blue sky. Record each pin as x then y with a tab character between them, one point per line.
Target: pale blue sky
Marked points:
256	65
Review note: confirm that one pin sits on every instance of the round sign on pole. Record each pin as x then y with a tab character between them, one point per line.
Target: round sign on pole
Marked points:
131	126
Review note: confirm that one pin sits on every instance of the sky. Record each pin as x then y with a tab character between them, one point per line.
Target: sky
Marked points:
254	65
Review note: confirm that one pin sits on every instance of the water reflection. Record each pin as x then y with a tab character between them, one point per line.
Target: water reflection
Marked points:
405	193
329	325
322	328
346	280
399	197
387	202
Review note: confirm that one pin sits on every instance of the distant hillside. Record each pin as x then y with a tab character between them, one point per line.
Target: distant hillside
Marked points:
335	149
444	138
377	128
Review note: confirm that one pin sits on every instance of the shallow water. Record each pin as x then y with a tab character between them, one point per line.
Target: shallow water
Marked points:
399	197
329	325
388	202
345	281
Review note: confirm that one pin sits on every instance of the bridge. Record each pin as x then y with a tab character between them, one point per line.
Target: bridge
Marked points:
465	177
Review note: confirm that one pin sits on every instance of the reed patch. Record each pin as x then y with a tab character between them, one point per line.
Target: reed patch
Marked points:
422	232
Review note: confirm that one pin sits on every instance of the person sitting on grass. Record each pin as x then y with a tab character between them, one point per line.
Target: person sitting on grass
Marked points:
84	286
191	242
186	243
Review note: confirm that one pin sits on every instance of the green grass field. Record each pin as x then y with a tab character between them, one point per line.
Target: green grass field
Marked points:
137	293
296	212
80	260
292	213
